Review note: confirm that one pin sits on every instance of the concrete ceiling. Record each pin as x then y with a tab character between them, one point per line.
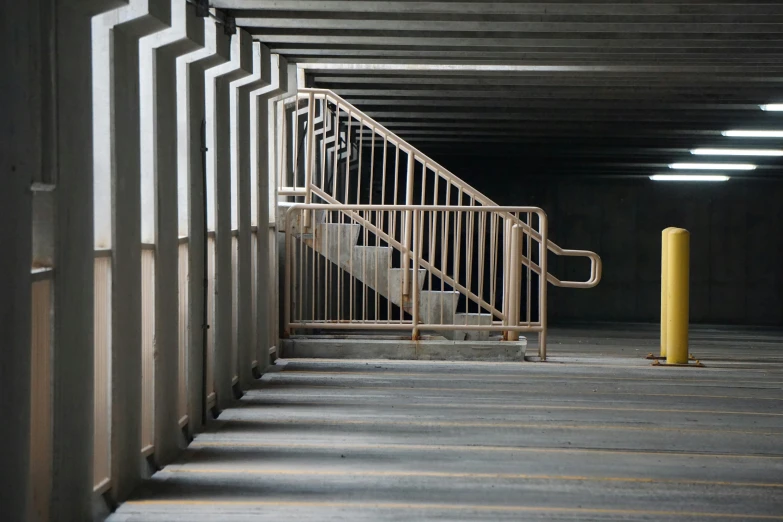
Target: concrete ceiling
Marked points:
564	87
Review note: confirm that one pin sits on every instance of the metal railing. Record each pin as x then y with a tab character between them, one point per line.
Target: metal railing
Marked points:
332	153
469	272
342	155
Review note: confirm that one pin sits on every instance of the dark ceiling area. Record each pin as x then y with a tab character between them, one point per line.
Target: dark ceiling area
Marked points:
598	88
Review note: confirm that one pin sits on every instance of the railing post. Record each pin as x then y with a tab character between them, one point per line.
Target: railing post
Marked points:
506	267
282	136
514	282
310	158
287	277
406	261
543	249
416	232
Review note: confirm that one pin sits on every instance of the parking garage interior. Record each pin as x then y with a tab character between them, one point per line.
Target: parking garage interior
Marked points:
143	162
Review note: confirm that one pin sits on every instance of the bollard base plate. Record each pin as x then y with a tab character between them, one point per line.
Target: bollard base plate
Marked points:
693	363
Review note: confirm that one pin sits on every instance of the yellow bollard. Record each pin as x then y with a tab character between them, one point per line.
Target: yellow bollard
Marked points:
677	296
664	283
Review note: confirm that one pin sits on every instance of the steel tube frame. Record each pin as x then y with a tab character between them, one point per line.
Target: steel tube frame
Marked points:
417	213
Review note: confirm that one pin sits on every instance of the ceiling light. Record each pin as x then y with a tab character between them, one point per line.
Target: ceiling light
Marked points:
712	166
773	107
753	134
736	152
688	177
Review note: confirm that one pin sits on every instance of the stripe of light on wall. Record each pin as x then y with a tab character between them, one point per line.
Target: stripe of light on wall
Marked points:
688	177
753	134
712	166
737	152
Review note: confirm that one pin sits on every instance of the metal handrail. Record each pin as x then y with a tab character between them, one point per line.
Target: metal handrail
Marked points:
361	215
407	250
312	94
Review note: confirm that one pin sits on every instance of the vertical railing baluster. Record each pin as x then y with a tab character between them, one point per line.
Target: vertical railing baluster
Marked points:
310	155
324	119
514	283
416	234
324	247
287	277
458	237
408	224
348	158
493	251
529	270
282	120
295	151
542	282
482	246
336	150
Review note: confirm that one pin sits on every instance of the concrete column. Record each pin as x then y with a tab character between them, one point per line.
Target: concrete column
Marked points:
241	206
20	153
277	248
121	31
159	55
262	172
192	117
219	129
72	351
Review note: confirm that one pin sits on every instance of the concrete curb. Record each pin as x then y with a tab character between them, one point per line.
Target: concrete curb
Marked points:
401	349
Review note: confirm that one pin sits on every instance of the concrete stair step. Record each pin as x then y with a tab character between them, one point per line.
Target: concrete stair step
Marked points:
336	241
472	319
371	267
395	285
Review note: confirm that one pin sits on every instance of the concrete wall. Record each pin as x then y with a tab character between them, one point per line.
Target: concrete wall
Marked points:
736	243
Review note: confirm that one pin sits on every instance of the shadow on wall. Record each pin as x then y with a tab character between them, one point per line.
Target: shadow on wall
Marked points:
736	244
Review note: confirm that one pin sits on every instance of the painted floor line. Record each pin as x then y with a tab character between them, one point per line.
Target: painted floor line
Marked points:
449	507
468	448
465	475
522	425
536	376
485	405
271	385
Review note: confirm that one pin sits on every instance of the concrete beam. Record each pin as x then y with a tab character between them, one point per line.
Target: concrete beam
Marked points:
337	8
116	45
219	131
191	132
690	43
529	25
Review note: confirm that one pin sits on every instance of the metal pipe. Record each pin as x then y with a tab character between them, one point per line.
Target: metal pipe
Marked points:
515	254
416	235
542	283
407	230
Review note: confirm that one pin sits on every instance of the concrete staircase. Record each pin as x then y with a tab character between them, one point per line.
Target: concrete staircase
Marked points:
372	266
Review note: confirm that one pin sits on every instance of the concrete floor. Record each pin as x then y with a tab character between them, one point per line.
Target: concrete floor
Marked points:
594	434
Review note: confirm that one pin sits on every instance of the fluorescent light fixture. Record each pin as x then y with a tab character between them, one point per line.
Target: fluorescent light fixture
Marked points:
688	177
753	134
736	152
772	107
712	166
